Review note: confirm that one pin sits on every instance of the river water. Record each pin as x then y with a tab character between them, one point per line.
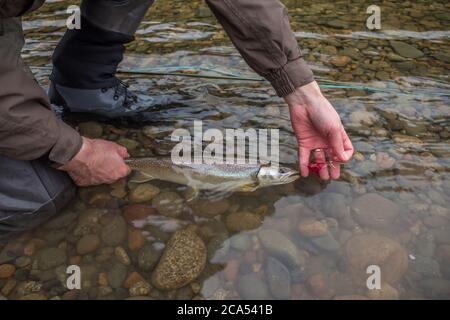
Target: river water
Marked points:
306	240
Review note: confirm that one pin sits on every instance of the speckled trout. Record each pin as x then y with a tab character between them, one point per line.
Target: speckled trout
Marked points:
215	177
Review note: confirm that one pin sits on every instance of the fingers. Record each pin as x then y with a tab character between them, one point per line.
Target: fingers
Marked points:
304	160
319	157
335	171
348	146
122	151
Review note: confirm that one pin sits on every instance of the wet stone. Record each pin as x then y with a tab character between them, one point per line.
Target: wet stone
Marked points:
374	211
280	247
406	50
243	220
143	193
335	205
148	256
117	275
183	260
51	257
88	243
250	287
90	129
169	204
279	279
115	232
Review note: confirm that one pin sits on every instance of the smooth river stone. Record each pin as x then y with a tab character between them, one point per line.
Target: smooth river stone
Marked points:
279	279
364	250
406	50
374	211
182	262
277	245
250	287
115	232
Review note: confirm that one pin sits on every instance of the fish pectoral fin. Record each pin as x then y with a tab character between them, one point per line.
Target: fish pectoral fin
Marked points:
141	177
193	194
216	194
250	187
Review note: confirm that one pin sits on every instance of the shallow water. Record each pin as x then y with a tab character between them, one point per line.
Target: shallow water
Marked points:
390	207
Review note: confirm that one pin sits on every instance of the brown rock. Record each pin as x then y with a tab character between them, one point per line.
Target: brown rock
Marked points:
312	228
7	270
103	279
134	212
122	256
364	250
231	271
318	285
387	292
243	220
340	61
132	279
210	209
135	239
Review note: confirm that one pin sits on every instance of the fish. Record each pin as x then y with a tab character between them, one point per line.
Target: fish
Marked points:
214	177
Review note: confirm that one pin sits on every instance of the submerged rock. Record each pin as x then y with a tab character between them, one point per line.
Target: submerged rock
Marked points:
115	232
250	287
406	50
148	256
280	247
50	258
143	193
182	261
169	204
371	249
88	244
374	211
279	279
243	220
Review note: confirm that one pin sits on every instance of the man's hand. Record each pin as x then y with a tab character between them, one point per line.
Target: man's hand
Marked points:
97	162
318	126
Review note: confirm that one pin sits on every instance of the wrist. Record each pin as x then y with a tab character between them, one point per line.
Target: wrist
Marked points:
79	157
304	95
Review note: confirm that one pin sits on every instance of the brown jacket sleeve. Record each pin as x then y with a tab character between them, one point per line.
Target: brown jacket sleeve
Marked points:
29	128
261	32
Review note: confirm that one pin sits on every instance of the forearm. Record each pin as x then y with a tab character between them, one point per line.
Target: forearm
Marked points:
261	32
28	127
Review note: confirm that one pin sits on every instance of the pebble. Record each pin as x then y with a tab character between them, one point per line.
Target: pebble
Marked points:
312	228
241	242
148	256
210	209
136	239
386	292
340	61
122	256
50	258
141	288
143	193
115	232
7	270
128	143
88	243
8	287
326	242
372	249
406	50
363	117
117	275
318	285
250	287
132	279
90	129
374	211
280	247
22	262
278	278
169	204
243	220
136	212
335	205
183	260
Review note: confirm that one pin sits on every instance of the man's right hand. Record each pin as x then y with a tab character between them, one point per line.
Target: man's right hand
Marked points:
97	162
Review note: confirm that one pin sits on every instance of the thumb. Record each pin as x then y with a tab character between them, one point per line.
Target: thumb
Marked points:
337	143
123	152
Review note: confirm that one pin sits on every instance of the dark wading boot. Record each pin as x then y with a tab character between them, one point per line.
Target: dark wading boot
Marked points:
112	103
